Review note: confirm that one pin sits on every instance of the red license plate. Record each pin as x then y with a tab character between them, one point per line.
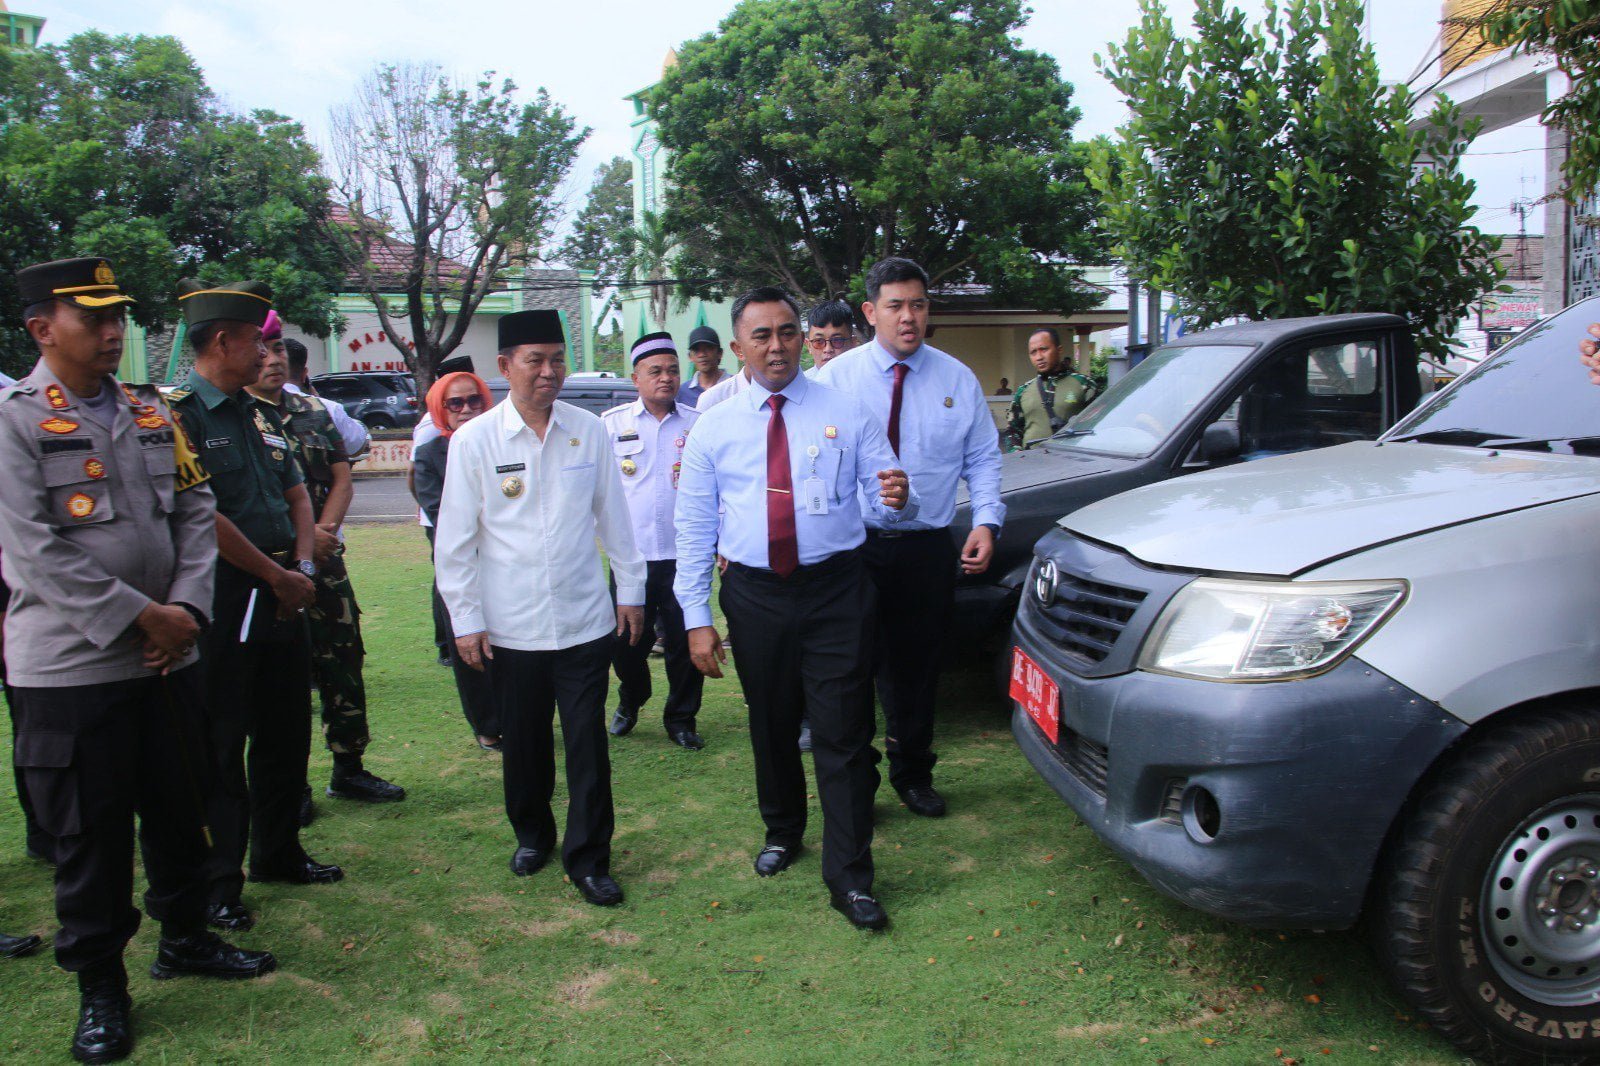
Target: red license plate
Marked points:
1039	696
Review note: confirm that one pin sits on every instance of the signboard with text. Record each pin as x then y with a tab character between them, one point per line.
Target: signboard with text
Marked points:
1515	310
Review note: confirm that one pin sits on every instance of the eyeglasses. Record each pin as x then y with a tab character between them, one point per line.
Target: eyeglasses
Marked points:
464	403
833	344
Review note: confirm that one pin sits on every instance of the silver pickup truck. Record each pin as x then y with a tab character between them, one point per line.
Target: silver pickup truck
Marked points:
1362	678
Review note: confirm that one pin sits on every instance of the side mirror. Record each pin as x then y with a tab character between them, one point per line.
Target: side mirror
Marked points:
1220	442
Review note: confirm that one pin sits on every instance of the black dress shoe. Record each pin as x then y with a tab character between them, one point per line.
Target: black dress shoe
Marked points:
308	810
230	916
687	738
600	890
492	745
208	955
103	1033
525	861
623	721
444	658
775	858
862	910
805	736
304	871
924	800
362	785
14	947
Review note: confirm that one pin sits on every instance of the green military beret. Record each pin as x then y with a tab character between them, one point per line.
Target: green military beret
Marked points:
237	301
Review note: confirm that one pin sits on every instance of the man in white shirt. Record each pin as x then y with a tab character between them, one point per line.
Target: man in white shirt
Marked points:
770	482
730	385
647	440
529	487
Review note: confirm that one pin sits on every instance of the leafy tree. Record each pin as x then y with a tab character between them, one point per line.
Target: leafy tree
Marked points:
116	146
448	187
1570	31
809	138
1268	172
599	238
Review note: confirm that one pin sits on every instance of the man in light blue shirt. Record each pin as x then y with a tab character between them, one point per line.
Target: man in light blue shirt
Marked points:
791	466
937	421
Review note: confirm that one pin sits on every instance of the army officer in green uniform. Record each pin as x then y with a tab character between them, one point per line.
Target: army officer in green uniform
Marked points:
337	653
257	653
1044	404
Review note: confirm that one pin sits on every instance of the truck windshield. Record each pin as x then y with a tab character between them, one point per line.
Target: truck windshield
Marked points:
1140	411
1533	393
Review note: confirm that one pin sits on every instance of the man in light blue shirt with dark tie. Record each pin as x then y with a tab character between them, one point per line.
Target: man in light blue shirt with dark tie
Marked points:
937	420
791	466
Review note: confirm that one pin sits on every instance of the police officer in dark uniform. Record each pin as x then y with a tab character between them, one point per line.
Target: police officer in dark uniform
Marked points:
107	528
257	652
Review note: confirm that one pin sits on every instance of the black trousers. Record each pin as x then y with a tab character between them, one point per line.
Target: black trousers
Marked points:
529	686
472	686
93	756
37	840
258	709
632	661
915	575
803	646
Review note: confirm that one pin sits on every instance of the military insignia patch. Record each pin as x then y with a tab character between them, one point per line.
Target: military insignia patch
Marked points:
80	505
831	432
58	425
133	398
629	467
103	274
150	422
512	487
57	398
94	468
949	402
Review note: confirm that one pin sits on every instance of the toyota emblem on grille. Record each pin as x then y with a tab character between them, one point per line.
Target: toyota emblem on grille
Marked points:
1044	583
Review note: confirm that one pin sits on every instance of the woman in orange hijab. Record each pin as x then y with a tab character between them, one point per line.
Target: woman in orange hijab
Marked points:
453	401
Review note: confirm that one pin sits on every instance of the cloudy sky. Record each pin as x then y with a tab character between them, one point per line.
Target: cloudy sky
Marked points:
300	57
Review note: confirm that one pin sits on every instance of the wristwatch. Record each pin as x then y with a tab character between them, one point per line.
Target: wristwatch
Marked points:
306	567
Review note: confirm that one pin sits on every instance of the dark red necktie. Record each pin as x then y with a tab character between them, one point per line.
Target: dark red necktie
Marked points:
783	549
894	405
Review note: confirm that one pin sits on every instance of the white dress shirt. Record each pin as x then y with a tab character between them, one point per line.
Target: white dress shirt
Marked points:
832	437
353	432
732	385
648	453
946	430
515	550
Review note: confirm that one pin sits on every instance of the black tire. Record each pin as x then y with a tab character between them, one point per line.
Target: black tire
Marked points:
376	422
1520	806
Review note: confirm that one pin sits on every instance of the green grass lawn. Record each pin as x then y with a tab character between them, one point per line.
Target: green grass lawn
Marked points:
1016	934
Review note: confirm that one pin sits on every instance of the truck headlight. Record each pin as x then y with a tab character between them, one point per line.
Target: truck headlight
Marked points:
1222	630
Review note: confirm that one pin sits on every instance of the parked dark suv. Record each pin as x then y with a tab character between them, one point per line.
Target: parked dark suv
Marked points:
380	399
592	392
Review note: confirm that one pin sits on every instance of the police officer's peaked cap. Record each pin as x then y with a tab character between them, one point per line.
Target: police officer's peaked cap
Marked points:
237	301
86	282
531	327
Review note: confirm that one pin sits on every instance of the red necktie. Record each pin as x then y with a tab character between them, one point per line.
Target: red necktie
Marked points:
894	405
783	549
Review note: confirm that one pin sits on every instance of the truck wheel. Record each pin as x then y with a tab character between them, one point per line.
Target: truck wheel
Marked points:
1489	919
377	422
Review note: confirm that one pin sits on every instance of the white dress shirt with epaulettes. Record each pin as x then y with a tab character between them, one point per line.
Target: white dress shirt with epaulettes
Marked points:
514	552
648	452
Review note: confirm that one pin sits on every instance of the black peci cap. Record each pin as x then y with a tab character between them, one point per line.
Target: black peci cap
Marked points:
531	327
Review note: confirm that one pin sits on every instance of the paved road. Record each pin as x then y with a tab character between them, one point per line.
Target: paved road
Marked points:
382	499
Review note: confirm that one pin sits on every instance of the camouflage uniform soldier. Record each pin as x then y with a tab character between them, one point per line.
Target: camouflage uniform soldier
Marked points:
337	652
1042	406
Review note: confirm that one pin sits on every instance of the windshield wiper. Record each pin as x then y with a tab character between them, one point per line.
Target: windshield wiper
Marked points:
1063	434
1468	437
1570	445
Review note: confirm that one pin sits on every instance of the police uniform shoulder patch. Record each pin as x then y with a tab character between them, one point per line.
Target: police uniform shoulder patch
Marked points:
56	398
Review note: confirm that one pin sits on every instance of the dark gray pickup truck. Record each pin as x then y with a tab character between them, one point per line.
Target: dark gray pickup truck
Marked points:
1208	400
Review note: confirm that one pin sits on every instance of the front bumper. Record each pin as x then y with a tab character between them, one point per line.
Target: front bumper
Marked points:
1308	776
